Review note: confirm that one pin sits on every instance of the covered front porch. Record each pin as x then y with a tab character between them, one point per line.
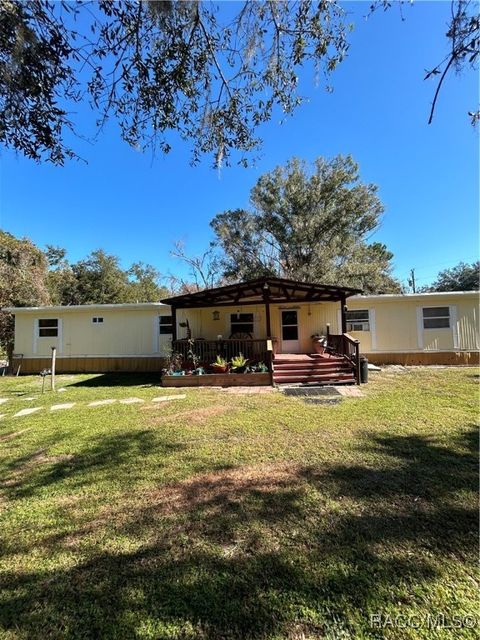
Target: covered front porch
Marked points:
264	319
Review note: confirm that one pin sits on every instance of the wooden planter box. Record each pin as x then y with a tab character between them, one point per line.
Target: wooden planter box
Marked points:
219	380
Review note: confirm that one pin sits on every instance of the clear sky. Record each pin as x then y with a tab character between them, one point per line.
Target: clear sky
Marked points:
136	207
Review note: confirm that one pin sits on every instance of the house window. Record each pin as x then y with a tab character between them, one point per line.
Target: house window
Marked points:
241	323
436	317
166	325
358	320
48	328
97	320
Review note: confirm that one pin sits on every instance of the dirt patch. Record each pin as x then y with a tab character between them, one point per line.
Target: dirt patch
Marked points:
14	434
193	416
223	486
200	498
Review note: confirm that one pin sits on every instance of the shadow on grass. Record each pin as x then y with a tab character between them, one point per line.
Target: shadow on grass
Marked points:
103	457
274	551
120	380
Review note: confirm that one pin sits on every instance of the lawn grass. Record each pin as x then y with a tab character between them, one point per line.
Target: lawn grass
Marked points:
227	516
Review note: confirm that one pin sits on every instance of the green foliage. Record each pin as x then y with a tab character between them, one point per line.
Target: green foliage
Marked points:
23	273
192	356
99	279
220	362
462	277
209	73
174	362
239	362
308	224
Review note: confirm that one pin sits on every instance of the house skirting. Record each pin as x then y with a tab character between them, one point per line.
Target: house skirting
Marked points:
426	358
96	364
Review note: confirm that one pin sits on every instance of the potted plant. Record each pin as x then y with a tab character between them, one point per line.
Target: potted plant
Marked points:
260	367
239	363
174	365
192	358
220	365
319	343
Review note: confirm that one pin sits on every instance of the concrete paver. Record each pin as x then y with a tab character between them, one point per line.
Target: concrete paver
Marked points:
26	412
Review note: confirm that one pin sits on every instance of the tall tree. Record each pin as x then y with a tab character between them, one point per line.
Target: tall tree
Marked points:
211	71
23	272
308	224
462	277
99	278
144	283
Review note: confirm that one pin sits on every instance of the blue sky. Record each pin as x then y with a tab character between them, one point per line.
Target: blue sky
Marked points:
136	207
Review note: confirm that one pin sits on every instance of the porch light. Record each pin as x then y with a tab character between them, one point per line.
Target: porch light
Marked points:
266	286
216	315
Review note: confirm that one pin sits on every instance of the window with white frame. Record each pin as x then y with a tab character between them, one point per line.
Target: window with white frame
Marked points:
358	320
97	320
48	328
166	326
436	317
241	323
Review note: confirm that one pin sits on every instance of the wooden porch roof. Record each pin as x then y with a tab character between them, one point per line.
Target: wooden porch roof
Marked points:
260	290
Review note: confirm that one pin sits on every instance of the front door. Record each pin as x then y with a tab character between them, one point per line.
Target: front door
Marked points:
289	325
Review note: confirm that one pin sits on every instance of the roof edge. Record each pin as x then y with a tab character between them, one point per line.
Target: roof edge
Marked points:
87	307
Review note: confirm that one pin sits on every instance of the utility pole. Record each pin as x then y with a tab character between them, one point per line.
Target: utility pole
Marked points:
411	280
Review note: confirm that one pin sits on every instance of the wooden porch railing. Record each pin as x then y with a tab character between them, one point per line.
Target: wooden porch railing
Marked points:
255	350
344	345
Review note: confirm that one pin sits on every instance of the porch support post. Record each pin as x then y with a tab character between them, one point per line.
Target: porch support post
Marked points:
343	302
174	323
266	298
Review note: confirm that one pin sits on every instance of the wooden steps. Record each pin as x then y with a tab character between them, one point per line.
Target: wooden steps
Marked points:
312	370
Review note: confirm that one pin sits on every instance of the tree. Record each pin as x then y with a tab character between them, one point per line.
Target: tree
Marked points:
99	278
23	271
212	72
144	283
308	224
204	270
462	277
194	67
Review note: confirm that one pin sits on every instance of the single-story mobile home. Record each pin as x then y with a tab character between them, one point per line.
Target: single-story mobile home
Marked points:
275	320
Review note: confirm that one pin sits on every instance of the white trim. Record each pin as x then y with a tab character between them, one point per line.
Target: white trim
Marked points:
339	321
414	296
156	334
420	327
454	324
35	335
60	336
125	306
373	328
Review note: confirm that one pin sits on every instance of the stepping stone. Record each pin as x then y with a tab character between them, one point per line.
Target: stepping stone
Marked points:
101	403
62	389
181	396
26	412
131	400
29	398
3	400
57	407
